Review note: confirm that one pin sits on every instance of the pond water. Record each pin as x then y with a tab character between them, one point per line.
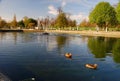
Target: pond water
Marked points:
33	56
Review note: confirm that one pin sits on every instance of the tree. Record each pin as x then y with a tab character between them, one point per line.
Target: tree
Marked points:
52	22
97	47
61	20
29	22
61	41
46	22
14	22
118	12
25	20
116	51
3	23
60	10
74	23
103	15
32	23
21	23
85	23
71	23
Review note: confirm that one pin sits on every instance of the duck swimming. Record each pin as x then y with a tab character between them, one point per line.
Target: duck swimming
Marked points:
45	33
91	66
68	55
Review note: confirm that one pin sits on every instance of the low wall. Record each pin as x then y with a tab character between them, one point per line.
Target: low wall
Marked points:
11	30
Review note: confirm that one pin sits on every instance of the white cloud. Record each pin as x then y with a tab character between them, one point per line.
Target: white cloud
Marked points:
52	10
79	17
63	3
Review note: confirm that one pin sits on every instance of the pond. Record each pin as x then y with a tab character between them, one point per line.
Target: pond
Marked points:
33	56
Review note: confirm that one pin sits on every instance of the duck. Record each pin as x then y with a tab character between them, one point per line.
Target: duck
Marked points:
45	33
68	55
91	66
33	78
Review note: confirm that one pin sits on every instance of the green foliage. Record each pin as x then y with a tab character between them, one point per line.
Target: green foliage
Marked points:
25	20
100	46
118	12
97	47
21	23
74	23
3	23
32	23
103	15
29	22
14	22
87	28
71	23
116	51
61	40
61	20
86	23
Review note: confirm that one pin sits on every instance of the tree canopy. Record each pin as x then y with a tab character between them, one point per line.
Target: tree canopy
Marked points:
21	23
118	12
14	22
29	22
61	20
3	23
103	15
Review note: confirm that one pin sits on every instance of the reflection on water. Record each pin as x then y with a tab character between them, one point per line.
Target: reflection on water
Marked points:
61	40
116	51
102	47
97	47
24	56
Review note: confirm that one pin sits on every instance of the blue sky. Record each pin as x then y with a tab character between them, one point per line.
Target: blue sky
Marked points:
79	9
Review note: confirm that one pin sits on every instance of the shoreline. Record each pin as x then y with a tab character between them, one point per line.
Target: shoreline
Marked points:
114	34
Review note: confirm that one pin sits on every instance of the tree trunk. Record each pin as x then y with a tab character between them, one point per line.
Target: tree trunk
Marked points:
106	29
